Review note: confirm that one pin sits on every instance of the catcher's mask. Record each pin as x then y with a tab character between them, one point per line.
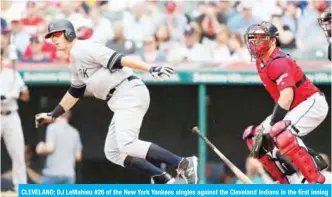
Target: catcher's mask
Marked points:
258	38
325	22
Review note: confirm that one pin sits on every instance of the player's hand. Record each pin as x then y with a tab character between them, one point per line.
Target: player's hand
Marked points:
43	118
161	71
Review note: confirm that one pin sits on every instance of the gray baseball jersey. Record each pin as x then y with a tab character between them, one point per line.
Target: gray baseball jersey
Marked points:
91	67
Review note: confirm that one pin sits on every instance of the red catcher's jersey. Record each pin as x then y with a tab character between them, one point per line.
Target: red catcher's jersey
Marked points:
279	72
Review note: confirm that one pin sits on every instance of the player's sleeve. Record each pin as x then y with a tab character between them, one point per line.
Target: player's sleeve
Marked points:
279	72
20	83
77	86
106	57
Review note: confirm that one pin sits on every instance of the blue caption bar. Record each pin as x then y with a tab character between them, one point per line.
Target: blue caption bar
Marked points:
203	190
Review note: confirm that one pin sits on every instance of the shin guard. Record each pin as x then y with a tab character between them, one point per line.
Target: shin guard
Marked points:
273	169
288	146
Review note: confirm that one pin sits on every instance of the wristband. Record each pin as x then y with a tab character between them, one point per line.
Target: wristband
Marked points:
58	111
278	114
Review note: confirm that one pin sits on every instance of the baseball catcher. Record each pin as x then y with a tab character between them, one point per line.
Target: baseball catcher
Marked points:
299	105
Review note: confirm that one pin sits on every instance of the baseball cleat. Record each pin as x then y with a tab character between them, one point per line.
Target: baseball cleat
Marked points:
188	170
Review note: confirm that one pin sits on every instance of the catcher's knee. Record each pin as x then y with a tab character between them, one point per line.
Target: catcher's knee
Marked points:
279	127
287	143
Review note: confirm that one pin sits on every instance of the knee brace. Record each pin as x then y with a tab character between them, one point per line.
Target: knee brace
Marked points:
288	146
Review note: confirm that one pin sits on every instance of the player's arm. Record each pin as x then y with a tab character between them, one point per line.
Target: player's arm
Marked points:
279	72
74	93
115	60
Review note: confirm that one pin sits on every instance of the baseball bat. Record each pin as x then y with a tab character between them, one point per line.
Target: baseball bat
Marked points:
238	173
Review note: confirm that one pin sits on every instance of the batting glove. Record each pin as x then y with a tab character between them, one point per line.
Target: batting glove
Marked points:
43	118
161	71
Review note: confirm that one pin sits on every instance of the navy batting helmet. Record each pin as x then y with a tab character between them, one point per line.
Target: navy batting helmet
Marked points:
62	25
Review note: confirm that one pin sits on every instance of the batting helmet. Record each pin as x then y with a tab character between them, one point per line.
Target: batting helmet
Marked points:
62	25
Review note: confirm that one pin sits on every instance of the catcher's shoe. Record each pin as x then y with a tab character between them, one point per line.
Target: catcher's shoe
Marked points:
188	170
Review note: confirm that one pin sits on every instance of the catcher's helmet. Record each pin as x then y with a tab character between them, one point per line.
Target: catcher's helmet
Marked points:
62	25
325	22
258	38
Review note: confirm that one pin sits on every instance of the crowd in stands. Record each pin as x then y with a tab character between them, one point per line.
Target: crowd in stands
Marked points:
173	31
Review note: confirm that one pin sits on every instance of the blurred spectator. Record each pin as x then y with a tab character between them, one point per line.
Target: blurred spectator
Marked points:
84	33
192	50
290	17
211	19
163	39
38	51
256	172
227	9
238	49
4	25
263	9
67	9
174	20
151	53
102	27
19	36
240	22
5	40
220	51
198	33
109	13
137	25
215	170
153	11
287	38
119	43
32	18
63	148
314	39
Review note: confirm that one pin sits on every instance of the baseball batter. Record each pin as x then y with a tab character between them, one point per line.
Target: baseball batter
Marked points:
299	105
13	88
107	75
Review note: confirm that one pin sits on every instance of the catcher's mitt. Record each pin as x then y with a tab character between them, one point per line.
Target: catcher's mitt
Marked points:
262	144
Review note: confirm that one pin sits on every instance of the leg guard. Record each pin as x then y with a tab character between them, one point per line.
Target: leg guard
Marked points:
273	169
288	146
